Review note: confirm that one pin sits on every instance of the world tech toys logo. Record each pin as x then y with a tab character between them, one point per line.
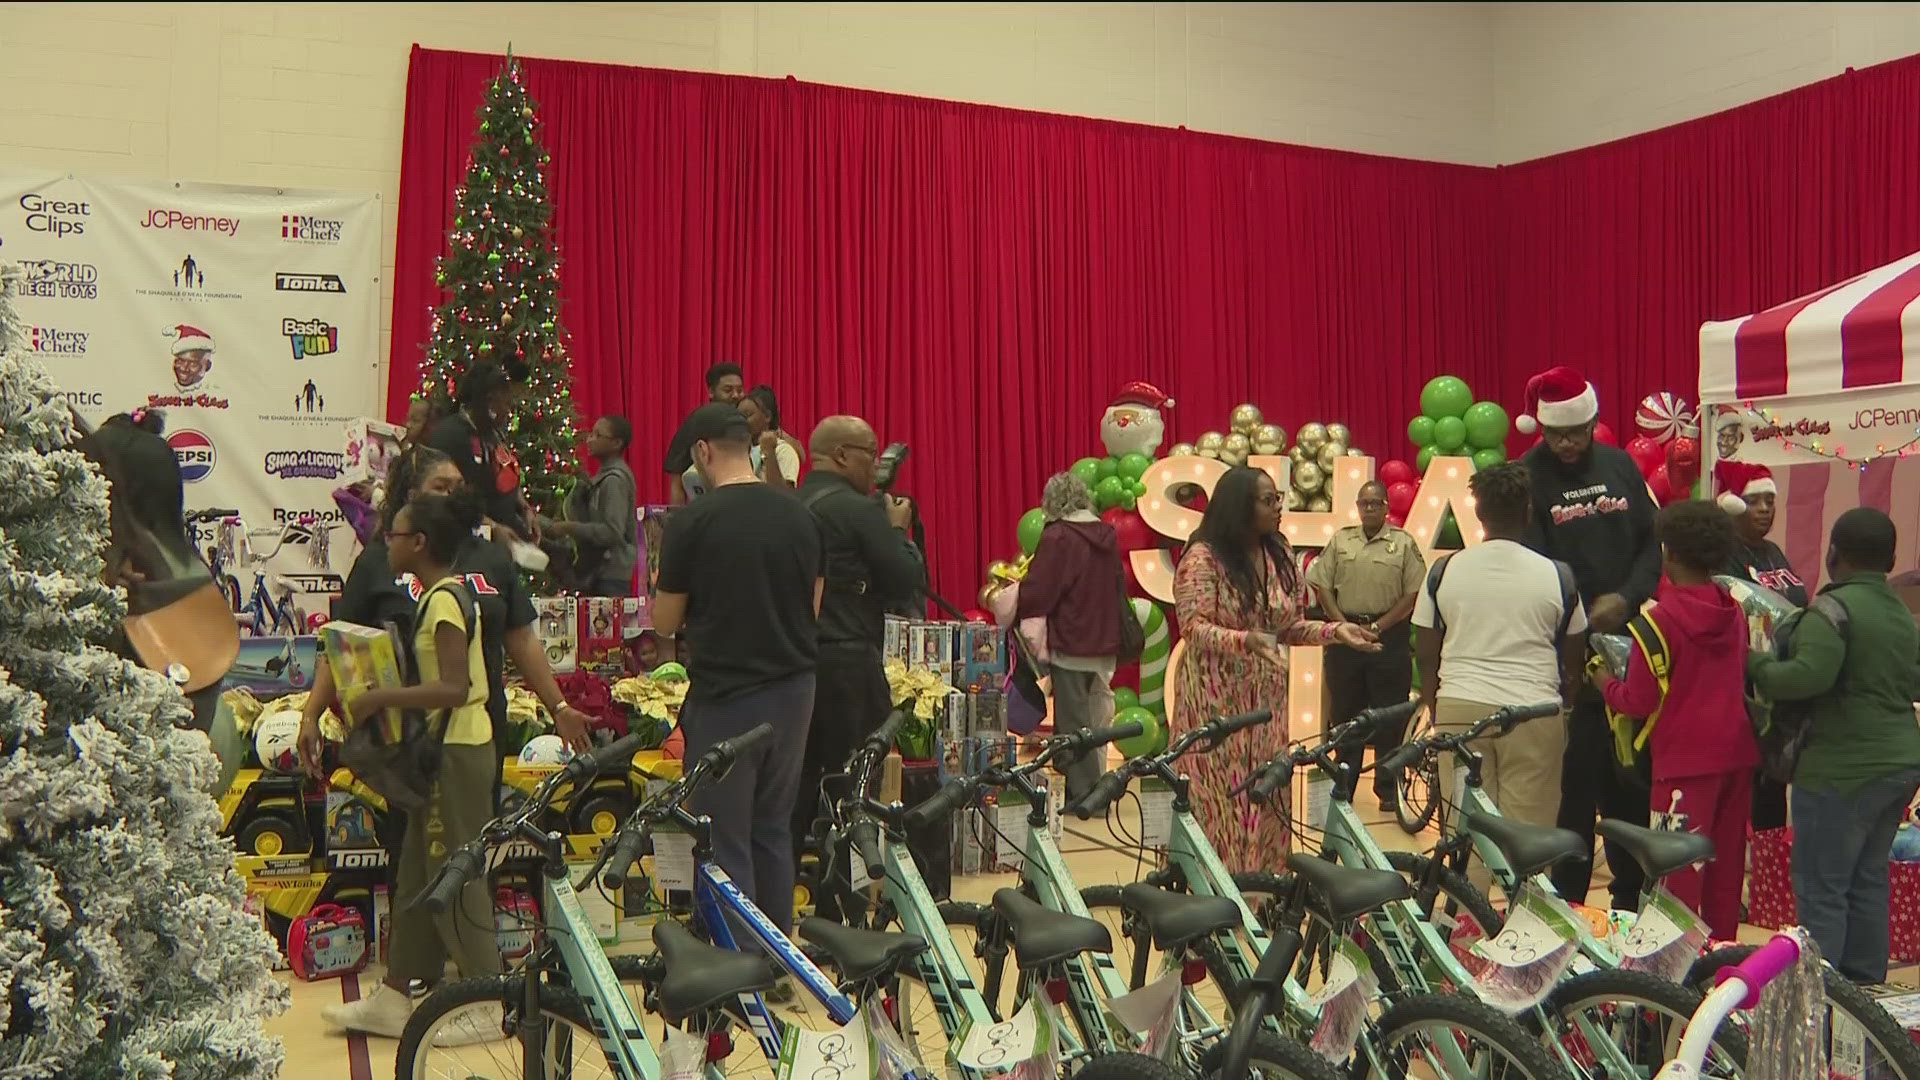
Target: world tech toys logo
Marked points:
310	337
306	229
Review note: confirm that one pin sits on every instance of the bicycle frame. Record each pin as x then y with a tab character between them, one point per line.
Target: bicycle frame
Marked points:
569	933
716	898
941	969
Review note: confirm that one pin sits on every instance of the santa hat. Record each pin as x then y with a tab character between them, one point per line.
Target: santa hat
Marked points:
191	338
1140	393
1733	481
1558	397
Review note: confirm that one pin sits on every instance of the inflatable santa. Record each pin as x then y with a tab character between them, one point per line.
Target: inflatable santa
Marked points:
1133	424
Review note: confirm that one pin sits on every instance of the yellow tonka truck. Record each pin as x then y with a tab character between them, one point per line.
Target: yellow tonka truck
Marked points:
266	814
599	810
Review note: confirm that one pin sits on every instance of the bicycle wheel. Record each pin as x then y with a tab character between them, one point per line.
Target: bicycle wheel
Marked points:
1267	895
483	1015
1460	895
1426	1035
1274	1058
1419	796
1126	1066
1859	1032
1639	1017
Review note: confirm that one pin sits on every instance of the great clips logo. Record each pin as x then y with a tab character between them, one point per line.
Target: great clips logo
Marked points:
59	217
310	337
305	464
306	229
195	453
53	341
169	219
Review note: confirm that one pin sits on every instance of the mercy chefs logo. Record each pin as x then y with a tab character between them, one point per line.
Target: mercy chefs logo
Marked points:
182	221
52	341
61	217
305	464
195	453
305	229
320	283
310	337
52	280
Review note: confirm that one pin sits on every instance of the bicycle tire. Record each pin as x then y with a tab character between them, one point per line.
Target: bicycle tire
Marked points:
978	917
1273	1058
1419	797
1462	1017
1453	885
1126	1065
1648	1048
1896	1048
556	1003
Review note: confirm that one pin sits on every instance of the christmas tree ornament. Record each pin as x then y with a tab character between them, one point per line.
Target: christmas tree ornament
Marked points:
493	258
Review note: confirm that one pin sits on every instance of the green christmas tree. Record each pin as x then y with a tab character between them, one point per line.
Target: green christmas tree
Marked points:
502	282
124	951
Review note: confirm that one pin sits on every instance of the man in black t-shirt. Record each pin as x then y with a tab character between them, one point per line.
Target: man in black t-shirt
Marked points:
725	386
740	572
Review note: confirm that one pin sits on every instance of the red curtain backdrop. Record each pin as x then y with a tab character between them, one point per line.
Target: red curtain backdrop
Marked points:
975	281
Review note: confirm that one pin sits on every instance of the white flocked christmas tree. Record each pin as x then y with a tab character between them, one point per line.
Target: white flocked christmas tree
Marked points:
123	948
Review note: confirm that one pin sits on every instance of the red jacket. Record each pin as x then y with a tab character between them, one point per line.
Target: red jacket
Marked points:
1074	580
1703	726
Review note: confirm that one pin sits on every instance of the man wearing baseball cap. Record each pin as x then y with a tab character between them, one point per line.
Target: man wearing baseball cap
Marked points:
1592	511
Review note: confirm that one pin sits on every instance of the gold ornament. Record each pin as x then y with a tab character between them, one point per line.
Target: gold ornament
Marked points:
1339	433
1181	449
1246	418
1330	453
1269	439
1295	501
1298	456
1319	504
1308	477
1208	445
1313	437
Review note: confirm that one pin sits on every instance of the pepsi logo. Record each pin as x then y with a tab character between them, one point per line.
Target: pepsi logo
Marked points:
195	453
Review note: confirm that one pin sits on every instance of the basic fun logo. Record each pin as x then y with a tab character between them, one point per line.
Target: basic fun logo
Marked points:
53	341
306	229
305	464
309	283
171	220
195	453
310	337
51	280
57	218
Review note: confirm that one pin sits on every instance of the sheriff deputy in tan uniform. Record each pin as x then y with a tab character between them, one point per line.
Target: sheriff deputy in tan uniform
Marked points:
1371	574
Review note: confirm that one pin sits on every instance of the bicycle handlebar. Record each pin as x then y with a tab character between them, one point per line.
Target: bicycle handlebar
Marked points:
1505	719
195	517
1762	967
1108	789
881	740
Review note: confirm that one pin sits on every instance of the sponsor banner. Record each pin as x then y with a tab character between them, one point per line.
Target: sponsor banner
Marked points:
1859	424
248	314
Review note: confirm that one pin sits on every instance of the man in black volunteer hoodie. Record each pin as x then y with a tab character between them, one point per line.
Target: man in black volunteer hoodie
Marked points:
1592	511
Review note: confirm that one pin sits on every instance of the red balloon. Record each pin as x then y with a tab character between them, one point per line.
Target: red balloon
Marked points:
1658	483
1396	472
1400	497
1646	453
1398	521
979	615
1603	433
1683	462
1132	530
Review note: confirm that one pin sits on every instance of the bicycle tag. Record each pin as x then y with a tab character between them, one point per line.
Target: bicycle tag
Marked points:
859	874
1156	813
1020	1047
1342	1001
1010	825
843	1053
1150	1011
1319	800
1665	940
684	1057
672	859
1529	955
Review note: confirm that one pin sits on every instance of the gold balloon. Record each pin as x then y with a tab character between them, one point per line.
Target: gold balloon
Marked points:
1269	439
1235	448
1319	504
1339	433
1246	417
999	570
1208	444
1313	437
1181	449
1308	477
1298	456
1020	567
1354	451
988	592
1295	501
1330	453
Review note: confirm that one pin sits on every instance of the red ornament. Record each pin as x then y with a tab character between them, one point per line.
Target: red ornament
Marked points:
1658	484
1645	452
1683	463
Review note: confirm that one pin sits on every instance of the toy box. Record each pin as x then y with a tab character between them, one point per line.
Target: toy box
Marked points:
371	446
362	658
557	623
329	940
273	667
603	633
982	656
930	646
894	639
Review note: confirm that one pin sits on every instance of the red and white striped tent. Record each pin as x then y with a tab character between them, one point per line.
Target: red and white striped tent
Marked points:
1825	390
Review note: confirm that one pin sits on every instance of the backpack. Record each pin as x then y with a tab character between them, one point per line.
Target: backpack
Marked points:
1782	727
1632	761
403	771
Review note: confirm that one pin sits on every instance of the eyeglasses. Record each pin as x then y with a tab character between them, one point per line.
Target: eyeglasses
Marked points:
1271	499
1371	504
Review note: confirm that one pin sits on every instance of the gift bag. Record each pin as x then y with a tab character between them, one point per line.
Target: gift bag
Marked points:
1770	878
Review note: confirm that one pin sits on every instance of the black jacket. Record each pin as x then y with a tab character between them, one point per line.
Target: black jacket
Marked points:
869	563
1597	517
1766	565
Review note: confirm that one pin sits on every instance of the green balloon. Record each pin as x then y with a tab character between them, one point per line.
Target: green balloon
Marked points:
1031	523
1153	734
1139	489
1127	500
1124	698
1449	536
1107	492
1445	395
1087	469
1420	461
1487	459
1449	433
1420	430
1108	467
1486	425
1134	466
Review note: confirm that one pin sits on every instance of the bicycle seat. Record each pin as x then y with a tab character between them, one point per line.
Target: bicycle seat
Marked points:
1529	849
1178	918
1350	891
1042	936
861	954
1658	853
700	976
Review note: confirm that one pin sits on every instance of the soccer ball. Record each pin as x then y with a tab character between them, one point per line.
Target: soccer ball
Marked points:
544	750
276	742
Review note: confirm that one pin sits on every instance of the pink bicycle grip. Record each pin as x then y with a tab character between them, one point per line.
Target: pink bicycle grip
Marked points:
1760	969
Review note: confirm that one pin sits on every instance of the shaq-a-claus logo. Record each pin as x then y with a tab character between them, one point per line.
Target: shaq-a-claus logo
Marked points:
195	453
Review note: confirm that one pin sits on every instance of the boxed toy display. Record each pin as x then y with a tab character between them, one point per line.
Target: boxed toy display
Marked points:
557	623
602	633
362	658
983	656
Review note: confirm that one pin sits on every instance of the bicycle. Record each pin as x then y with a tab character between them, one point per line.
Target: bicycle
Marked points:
1602	1020
220	553
269	609
1864	1040
1738	988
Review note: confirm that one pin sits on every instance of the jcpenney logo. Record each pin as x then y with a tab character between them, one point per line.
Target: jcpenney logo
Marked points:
318	283
163	218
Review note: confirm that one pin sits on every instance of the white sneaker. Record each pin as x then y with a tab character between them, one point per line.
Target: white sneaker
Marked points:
481	1023
383	1012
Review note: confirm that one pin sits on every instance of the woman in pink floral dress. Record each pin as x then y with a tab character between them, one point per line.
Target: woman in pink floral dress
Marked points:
1241	600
